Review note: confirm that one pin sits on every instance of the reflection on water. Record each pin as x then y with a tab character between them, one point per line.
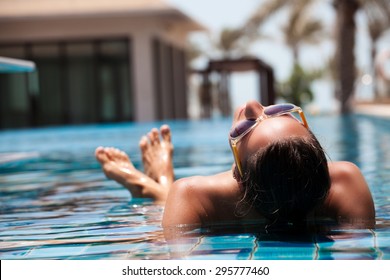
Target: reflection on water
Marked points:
349	139
55	203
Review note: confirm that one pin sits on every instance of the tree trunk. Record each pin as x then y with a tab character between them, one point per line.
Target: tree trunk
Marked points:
374	68
345	58
295	52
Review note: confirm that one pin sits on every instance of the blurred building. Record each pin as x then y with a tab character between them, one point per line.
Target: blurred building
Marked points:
97	61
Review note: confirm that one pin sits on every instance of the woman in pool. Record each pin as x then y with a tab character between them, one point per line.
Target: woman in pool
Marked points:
280	173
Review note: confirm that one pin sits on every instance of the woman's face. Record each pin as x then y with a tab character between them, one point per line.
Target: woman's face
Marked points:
266	131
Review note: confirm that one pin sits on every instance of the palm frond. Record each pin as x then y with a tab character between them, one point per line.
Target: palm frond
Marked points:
312	31
302	28
228	40
262	13
378	17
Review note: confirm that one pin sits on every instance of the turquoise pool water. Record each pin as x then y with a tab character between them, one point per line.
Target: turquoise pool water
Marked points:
55	203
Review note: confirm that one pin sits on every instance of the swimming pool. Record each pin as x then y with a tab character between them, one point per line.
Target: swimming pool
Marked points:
55	202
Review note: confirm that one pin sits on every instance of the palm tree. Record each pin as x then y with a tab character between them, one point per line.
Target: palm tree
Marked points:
228	42
378	14
345	45
345	41
378	19
262	13
297	88
235	41
301	28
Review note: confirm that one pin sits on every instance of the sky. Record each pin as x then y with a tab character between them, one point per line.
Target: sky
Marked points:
217	14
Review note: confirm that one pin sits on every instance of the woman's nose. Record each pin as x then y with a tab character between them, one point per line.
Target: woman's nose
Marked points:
253	109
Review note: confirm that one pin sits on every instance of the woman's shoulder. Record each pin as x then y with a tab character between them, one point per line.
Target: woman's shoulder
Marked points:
349	195
201	197
345	169
204	183
347	179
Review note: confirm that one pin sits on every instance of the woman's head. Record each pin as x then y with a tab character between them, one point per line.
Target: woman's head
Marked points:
285	180
285	172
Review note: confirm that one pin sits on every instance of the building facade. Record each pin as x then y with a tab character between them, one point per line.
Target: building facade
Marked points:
96	61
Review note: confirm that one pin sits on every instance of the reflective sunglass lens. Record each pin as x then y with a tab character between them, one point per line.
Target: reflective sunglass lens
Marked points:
241	127
277	109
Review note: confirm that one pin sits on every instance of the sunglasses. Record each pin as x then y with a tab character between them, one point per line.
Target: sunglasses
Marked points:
244	127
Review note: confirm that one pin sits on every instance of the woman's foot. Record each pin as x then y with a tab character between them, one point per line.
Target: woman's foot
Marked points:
117	166
157	152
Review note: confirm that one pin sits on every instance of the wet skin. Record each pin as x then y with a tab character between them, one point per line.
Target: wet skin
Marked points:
204	200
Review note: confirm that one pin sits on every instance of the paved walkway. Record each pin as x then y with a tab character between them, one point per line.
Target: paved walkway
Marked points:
380	110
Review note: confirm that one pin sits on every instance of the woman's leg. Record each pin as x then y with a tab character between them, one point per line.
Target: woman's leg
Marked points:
157	155
157	159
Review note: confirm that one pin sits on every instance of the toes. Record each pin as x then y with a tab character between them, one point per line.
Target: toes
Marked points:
143	144
154	137
165	133
101	155
99	150
121	155
115	154
108	151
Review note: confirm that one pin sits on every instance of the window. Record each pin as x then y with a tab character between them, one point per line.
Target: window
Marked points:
75	82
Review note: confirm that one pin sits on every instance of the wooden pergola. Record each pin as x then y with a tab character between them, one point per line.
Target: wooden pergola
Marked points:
224	68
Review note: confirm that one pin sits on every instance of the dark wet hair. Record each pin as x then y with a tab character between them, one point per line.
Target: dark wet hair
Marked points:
287	179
